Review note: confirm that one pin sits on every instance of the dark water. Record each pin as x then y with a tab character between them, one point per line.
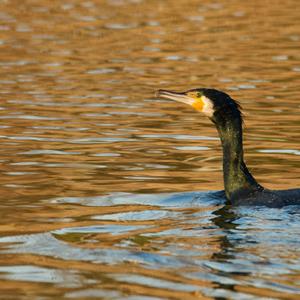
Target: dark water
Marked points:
109	193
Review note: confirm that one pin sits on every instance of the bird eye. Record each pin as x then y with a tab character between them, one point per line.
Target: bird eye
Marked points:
199	95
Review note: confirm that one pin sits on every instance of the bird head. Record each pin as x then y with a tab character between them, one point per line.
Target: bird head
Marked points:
213	103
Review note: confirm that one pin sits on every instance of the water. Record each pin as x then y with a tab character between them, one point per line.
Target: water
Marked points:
110	193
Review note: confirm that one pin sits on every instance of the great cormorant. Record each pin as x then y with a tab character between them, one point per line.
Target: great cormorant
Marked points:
241	188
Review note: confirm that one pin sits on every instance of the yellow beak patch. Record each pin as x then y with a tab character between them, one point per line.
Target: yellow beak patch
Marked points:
198	104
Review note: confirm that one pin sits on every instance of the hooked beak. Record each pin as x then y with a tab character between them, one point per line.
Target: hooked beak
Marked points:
180	97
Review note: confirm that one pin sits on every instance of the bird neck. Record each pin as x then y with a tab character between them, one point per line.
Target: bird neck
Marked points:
238	181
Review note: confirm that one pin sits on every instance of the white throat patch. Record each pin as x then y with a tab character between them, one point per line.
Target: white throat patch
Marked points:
208	107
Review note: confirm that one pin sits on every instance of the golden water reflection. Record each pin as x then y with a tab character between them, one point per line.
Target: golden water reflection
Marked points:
88	153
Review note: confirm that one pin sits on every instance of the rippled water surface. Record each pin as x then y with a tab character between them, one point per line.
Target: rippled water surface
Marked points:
109	193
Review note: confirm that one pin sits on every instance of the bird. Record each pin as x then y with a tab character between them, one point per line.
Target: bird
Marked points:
240	186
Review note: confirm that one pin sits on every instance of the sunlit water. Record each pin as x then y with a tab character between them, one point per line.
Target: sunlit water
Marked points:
109	193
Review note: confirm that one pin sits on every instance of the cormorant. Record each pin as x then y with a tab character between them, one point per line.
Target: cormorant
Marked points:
241	188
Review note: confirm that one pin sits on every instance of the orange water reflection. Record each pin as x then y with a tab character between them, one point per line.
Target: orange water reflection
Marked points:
79	124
